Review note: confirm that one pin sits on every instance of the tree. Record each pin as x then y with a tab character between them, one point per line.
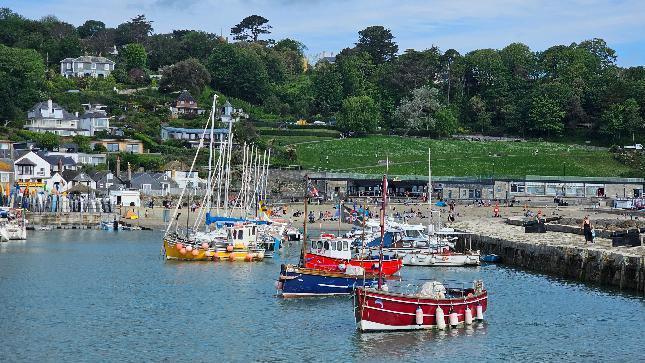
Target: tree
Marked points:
199	44
356	70
134	56
378	42
418	112
238	72
250	28
290	45
163	50
22	73
481	117
189	74
327	89
90	28
358	115
622	119
445	122
545	116
134	31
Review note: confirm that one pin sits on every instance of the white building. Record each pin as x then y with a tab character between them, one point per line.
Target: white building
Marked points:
50	117
86	66
126	198
32	167
184	178
94	119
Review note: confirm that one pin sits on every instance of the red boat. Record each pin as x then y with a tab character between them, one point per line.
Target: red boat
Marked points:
334	254
379	310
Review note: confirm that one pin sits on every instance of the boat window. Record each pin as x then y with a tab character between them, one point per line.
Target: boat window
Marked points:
240	234
253	233
326	245
345	245
319	244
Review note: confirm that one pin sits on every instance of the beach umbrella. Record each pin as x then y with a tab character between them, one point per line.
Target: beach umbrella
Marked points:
440	204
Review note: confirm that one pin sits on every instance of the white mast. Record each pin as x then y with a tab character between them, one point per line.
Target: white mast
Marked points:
228	166
430	227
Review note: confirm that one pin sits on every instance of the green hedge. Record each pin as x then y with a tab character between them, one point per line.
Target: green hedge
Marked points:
306	132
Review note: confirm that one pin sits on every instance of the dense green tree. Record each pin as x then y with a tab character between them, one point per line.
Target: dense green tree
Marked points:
238	72
22	75
622	119
378	42
134	31
163	50
327	89
356	70
546	116
198	44
134	56
359	115
418	111
90	28
189	74
250	28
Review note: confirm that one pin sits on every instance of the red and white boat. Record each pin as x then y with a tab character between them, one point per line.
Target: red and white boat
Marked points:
334	254
433	307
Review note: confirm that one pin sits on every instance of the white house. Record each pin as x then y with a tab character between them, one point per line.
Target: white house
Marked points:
183	178
57	182
86	66
94	119
125	198
32	167
82	158
48	116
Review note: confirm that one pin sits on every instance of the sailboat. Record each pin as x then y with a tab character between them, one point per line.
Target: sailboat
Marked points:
434	305
227	237
439	252
300	281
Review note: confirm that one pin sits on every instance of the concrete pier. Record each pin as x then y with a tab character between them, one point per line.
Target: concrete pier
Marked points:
560	254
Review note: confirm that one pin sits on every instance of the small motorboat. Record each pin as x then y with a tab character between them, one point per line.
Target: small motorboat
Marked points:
434	258
491	258
302	282
434	306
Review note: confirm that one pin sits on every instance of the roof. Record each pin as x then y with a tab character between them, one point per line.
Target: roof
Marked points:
54	159
88	59
185	96
44	106
82	177
227	104
69	175
94	114
6	165
26	161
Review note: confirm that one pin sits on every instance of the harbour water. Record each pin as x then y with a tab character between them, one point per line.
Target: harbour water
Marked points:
105	296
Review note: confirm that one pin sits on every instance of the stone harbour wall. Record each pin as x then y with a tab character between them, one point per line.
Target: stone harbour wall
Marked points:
562	254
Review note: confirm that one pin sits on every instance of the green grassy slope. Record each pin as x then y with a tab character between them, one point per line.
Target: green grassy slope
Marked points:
408	156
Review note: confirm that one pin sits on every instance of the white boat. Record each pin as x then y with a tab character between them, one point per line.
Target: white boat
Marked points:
13	225
429	258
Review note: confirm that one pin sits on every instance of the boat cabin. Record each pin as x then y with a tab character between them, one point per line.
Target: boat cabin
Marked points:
242	234
335	248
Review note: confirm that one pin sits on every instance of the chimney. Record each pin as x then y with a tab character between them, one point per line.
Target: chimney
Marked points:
50	106
173	174
60	165
118	166
76	113
129	172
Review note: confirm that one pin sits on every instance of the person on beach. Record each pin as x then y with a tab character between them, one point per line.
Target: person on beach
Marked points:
587	230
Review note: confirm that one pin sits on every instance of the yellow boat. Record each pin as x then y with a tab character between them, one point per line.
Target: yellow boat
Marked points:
175	248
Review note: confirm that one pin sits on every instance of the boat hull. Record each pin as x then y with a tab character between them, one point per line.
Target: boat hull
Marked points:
379	310
237	255
371	266
431	259
303	282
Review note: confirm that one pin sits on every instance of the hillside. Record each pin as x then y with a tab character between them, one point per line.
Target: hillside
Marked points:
456	158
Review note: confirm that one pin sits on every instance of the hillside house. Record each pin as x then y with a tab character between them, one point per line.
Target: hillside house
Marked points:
48	116
86	66
131	146
94	119
192	136
185	105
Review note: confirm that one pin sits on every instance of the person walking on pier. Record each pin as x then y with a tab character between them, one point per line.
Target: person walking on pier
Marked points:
587	230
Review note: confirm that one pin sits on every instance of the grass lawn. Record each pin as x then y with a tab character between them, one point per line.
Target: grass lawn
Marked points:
281	141
409	156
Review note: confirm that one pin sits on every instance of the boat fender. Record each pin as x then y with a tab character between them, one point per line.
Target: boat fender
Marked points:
440	318
249	257
480	312
189	248
205	245
231	257
419	316
468	316
182	251
208	254
195	252
229	248
433	260
453	318
179	246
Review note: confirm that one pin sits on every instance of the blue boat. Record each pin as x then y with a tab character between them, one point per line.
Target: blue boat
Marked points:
492	258
299	282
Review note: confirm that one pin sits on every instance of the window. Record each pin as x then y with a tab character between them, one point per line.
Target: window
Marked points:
345	245
326	245
106	67
79	65
4	177
68	65
100	122
93	65
146	187
113	147
535	188
108	177
240	234
132	148
517	188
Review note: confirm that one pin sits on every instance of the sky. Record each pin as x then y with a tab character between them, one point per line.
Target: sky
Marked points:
331	25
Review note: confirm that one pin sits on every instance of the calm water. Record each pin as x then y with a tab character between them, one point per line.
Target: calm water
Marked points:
103	296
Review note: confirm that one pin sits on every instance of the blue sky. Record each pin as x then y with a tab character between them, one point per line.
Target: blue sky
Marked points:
333	24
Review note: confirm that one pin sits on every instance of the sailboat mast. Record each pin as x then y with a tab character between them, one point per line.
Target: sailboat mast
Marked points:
228	166
429	193
380	250
304	224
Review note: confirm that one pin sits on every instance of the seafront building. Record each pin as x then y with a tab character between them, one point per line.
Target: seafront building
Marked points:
48	116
